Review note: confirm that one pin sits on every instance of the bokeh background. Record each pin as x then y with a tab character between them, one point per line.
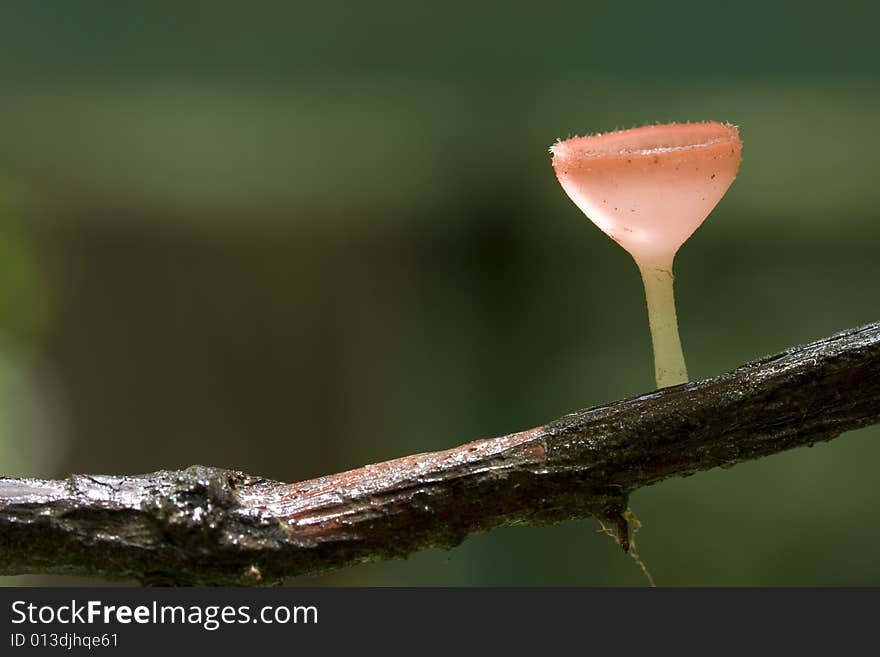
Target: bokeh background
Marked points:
293	238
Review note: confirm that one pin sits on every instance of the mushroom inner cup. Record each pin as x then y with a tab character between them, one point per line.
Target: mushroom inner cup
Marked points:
652	138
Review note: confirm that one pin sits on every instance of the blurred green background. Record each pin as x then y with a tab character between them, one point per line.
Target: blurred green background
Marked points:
294	238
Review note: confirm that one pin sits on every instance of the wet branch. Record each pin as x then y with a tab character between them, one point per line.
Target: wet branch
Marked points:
205	525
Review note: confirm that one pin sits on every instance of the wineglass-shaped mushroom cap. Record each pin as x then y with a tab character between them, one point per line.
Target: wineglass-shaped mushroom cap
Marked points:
649	188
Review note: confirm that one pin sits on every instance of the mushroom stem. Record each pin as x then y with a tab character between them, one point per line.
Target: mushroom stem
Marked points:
669	366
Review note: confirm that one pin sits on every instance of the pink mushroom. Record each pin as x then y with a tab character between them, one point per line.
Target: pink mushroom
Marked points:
649	189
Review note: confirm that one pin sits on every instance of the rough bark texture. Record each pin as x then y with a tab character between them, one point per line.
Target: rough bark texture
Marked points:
205	525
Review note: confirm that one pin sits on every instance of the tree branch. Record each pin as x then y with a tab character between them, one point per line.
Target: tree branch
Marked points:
210	526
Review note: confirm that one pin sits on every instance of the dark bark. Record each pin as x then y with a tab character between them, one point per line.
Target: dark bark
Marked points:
210	526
